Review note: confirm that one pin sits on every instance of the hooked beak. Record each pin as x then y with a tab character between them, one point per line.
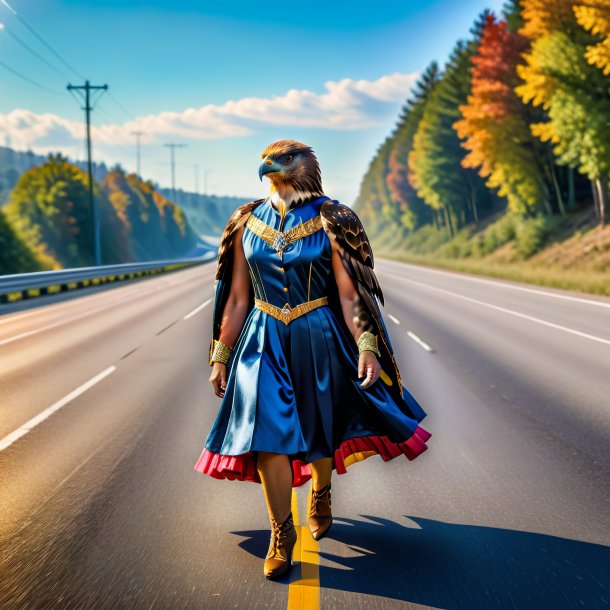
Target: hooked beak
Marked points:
268	167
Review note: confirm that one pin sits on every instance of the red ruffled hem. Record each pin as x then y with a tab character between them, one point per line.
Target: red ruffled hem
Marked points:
243	467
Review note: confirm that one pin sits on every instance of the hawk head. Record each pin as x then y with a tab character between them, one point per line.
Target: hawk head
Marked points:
292	168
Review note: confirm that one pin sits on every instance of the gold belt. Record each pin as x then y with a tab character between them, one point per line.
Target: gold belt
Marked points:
287	314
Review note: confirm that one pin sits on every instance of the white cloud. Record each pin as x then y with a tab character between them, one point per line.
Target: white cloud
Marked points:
344	105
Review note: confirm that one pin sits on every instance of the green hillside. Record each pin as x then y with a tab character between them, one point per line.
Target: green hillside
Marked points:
152	226
47	220
207	213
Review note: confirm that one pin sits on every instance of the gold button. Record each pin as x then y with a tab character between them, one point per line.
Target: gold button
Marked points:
282	270
285	288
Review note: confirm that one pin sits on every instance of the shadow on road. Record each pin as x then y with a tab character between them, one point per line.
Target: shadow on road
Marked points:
466	566
256	543
445	565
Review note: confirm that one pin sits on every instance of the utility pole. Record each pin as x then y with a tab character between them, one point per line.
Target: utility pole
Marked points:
196	168
206	172
138	134
172	148
88	88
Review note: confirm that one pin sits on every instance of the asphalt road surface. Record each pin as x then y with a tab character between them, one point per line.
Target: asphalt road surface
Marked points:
105	405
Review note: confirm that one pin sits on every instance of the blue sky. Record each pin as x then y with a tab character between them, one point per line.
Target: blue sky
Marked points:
223	78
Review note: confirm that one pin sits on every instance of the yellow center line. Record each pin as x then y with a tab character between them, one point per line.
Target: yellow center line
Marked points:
304	588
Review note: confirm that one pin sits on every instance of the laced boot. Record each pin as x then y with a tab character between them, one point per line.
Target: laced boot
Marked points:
279	556
320	514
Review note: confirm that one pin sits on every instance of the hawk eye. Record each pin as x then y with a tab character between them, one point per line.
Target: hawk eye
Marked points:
287	158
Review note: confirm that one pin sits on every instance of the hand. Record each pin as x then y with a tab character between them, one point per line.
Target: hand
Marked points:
219	378
367	362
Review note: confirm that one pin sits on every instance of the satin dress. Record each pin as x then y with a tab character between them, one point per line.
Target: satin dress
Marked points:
294	389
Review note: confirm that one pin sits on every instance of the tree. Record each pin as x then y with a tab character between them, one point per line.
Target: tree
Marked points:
386	198
49	207
435	169
374	202
413	211
494	124
154	226
15	255
511	13
594	16
557	76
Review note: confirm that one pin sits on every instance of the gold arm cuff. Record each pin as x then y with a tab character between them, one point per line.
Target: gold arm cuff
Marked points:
220	352
368	342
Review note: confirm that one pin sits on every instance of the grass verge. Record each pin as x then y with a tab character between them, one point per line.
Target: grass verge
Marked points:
582	280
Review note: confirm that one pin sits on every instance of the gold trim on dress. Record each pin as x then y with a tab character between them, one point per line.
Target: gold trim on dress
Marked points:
287	314
278	240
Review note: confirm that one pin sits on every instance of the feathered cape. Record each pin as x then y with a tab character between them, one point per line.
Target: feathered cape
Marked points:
344	227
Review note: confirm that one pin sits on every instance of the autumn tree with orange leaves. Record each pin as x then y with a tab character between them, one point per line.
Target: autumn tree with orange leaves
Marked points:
494	124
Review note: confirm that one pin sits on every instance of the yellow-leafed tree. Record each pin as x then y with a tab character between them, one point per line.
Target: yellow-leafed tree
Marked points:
494	124
575	94
594	16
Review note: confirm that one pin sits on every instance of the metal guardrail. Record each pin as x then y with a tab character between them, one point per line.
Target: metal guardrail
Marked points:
29	285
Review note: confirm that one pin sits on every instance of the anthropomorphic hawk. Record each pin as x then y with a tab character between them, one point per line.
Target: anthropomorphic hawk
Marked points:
294	172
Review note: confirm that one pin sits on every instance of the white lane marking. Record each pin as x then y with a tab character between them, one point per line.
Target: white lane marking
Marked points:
35	331
509	311
32	423
502	284
59	307
197	309
135	295
411	334
49	308
418	340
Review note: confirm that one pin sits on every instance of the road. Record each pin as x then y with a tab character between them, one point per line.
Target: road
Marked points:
100	506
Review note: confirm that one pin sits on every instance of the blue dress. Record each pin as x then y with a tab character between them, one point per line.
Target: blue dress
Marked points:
293	388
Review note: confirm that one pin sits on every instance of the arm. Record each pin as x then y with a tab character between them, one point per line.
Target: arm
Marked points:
234	312
348	297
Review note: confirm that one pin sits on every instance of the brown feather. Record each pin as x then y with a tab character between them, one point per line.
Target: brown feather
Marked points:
225	250
343	225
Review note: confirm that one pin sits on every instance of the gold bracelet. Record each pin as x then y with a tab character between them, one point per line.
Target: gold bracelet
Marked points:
368	342
220	353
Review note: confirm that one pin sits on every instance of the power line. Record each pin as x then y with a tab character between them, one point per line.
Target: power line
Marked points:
206	173
58	56
119	105
137	134
27	78
9	7
196	168
172	147
32	51
88	88
111	121
48	46
41	39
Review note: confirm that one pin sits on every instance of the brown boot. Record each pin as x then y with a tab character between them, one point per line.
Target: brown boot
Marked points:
320	514
279	556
